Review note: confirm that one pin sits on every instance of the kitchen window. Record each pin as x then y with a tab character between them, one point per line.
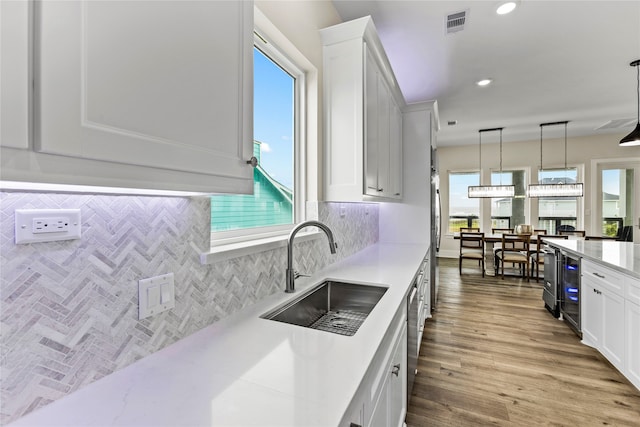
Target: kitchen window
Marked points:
463	211
277	202
557	213
507	212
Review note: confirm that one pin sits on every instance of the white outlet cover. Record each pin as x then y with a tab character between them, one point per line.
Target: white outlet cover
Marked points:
155	295
25	219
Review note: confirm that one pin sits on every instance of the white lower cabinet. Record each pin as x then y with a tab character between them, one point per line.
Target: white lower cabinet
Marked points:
632	320
612	345
391	408
381	400
603	312
397	388
610	317
591	316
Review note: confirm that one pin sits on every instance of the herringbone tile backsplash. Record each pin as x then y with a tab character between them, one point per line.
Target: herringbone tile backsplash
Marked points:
69	310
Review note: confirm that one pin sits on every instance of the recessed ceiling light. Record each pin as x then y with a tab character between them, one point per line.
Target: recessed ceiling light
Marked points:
484	82
506	7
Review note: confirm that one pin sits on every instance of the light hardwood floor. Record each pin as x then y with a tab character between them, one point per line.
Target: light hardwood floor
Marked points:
492	355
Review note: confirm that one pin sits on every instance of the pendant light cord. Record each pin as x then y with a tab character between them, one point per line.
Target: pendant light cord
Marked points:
501	156
638	89
480	156
565	145
566	171
541	126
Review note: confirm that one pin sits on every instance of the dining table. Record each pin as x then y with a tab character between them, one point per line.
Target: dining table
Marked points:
491	239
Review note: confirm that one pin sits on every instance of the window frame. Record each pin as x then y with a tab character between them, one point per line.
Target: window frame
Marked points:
278	54
579	218
471	217
527	205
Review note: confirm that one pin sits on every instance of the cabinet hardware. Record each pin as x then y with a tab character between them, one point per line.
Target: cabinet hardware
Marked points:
598	275
253	161
396	194
396	369
355	425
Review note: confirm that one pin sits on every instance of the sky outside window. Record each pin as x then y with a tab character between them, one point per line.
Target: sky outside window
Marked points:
273	125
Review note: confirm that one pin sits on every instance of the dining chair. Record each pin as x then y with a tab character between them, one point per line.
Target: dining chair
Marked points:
498	249
514	250
578	233
469	229
471	247
535	244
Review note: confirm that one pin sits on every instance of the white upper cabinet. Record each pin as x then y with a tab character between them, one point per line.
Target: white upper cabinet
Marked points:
362	116
15	84
165	86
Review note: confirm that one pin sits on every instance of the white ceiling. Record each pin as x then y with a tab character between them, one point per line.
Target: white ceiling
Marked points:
549	60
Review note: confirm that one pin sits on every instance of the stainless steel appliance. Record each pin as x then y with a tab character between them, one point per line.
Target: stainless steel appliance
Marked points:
550	294
413	346
570	291
436	228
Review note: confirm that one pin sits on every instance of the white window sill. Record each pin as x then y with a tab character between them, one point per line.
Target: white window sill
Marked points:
236	250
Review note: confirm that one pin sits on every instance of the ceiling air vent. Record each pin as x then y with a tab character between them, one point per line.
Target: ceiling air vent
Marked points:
455	22
617	124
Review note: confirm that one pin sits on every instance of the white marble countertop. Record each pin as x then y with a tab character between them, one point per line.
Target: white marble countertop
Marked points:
621	256
245	370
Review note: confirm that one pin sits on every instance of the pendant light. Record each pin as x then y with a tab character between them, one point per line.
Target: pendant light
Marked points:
561	189
634	137
490	191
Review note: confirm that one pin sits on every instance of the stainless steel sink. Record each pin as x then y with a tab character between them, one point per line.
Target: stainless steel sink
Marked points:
338	307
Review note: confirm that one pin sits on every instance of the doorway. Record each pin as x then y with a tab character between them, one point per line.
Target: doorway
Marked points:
618	204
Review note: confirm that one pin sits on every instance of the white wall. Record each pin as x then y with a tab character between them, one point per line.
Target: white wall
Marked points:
581	152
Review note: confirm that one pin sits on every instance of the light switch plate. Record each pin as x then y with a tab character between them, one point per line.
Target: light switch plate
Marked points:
155	295
47	225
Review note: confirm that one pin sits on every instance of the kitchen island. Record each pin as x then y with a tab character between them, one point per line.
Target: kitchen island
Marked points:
609	297
245	370
621	256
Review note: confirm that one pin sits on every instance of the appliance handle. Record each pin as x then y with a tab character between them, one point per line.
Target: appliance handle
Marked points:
440	219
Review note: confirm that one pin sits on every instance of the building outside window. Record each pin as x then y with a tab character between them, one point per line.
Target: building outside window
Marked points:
463	211
557	213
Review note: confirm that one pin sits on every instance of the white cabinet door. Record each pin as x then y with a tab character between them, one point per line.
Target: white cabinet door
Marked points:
15	69
632	368
360	119
384	109
391	406
372	135
395	152
380	414
157	84
613	328
398	383
591	313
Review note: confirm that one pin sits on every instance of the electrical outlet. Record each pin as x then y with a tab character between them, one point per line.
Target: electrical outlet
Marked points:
50	225
47	225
